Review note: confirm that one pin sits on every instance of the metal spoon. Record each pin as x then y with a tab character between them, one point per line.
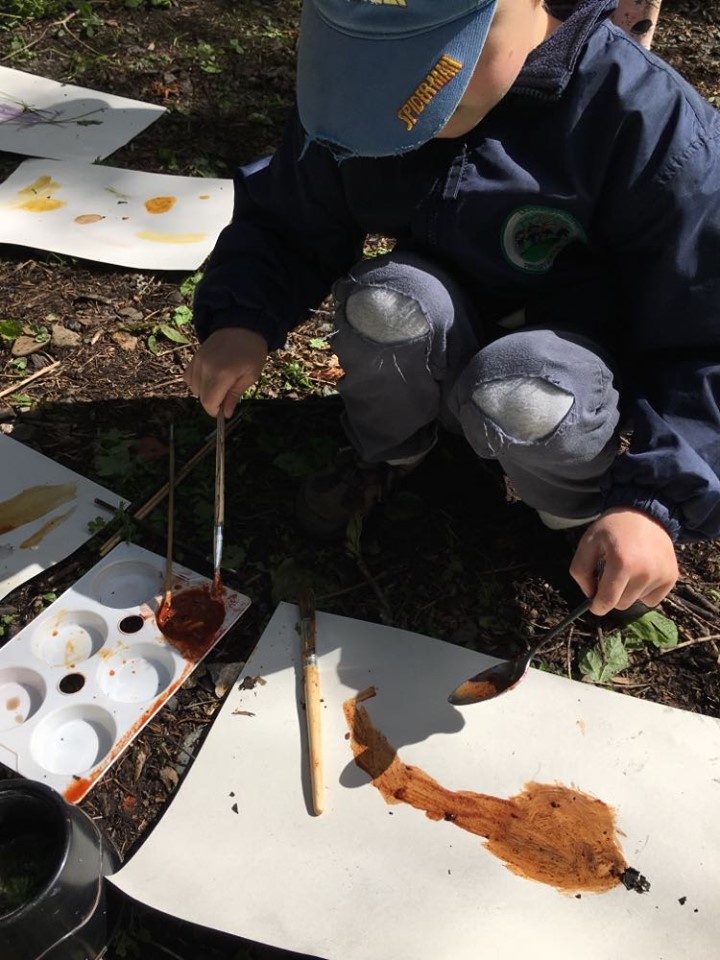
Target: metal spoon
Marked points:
493	681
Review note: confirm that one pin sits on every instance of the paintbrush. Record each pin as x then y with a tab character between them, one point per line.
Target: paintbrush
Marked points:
312	696
167	601
219	498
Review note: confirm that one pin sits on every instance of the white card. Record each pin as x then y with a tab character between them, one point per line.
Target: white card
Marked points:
44	118
151	221
369	880
45	510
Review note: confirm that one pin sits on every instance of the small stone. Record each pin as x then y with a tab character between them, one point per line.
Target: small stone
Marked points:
126	341
24	346
223	676
63	338
130	313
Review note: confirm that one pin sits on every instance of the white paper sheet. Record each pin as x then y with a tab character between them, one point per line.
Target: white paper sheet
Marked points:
54	533
44	118
151	221
370	881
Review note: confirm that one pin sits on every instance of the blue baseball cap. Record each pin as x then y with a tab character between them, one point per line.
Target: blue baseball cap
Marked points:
380	77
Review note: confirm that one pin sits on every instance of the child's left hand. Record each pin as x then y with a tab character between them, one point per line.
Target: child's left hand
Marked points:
639	557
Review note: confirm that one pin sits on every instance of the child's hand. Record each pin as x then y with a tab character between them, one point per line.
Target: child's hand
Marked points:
640	561
225	365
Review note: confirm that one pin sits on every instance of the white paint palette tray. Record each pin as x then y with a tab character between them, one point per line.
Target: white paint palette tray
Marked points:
79	682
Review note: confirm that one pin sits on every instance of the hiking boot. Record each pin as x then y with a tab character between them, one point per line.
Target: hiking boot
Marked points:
327	501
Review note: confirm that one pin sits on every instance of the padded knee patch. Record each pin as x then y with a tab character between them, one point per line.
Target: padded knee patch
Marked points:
385	316
526	409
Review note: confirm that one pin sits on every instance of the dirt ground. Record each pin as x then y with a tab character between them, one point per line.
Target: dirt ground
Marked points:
449	556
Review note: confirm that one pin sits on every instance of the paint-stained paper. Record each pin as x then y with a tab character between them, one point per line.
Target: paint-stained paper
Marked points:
374	880
45	510
44	118
147	220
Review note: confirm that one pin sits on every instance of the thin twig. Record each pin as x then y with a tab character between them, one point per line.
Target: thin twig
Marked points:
690	643
33	376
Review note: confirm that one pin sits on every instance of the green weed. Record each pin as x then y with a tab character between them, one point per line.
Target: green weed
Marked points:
600	664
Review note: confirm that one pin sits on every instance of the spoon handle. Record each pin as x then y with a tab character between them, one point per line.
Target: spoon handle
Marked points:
574	614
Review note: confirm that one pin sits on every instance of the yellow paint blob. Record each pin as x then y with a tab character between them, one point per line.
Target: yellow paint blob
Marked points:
38	197
204	196
155	237
160	204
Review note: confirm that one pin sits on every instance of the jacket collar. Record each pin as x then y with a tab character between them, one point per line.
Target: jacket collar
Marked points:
548	69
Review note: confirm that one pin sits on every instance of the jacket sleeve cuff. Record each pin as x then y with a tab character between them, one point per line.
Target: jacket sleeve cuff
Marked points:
207	321
659	511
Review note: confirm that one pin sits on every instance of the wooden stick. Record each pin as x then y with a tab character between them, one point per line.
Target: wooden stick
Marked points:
312	698
33	376
160	494
171	518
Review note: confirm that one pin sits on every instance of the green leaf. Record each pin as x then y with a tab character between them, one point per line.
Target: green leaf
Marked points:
172	333
10	329
653	628
152	344
318	343
181	316
187	287
353	536
600	669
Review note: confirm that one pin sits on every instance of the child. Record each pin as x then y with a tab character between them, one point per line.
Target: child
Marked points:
554	189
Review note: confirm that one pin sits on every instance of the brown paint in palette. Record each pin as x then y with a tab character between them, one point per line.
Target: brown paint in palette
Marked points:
33	503
550	833
86	218
191	620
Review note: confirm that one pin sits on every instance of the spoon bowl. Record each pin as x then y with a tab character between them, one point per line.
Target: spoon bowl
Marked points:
493	681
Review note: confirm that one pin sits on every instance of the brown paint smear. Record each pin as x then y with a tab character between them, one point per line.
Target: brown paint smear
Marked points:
32	504
37	538
191	621
85	218
549	832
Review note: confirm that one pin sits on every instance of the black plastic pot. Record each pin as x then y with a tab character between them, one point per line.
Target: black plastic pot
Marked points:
53	864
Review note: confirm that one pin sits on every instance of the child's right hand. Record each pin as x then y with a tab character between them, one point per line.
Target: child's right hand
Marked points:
225	365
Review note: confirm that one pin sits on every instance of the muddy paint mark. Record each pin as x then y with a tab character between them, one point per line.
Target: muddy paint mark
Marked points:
204	196
548	832
38	197
36	538
13	703
160	204
85	218
33	503
191	621
155	237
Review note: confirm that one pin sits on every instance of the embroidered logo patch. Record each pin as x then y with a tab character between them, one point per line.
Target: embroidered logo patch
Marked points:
441	74
532	237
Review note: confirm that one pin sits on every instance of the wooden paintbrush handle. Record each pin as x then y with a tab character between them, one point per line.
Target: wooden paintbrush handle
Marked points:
312	711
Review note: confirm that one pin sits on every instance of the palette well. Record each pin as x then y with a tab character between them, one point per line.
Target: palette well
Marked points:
80	681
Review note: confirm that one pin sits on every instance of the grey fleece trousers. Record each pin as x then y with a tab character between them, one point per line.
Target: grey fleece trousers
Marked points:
541	401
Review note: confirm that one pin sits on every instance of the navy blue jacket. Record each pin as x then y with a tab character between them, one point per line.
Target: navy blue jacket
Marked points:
599	132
